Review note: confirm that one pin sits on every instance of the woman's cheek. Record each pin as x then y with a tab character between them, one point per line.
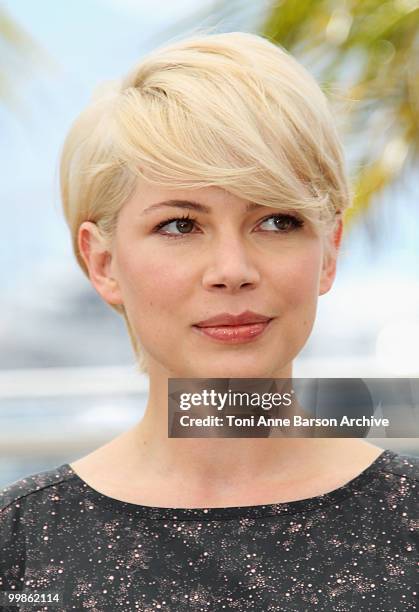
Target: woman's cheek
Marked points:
306	274
144	270
296	286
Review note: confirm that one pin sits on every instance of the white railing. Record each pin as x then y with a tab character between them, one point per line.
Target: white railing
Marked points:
47	382
76	409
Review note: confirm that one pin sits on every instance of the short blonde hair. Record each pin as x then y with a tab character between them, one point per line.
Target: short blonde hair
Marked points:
230	110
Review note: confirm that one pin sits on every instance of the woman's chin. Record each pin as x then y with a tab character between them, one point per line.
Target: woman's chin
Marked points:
230	371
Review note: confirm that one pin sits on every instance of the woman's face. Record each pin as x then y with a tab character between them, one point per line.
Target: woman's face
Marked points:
225	259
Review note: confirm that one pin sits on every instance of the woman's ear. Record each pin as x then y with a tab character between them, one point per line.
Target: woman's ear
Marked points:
328	272
98	259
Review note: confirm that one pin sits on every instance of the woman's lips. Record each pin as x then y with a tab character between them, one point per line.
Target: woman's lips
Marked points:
234	334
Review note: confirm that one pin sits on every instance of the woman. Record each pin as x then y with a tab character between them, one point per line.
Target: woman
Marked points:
211	183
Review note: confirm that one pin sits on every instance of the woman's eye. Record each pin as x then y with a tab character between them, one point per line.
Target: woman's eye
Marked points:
279	223
284	222
182	224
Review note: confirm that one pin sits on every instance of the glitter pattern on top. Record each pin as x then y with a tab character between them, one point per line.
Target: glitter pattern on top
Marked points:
355	548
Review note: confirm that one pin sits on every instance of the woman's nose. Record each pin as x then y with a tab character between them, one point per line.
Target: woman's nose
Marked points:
230	267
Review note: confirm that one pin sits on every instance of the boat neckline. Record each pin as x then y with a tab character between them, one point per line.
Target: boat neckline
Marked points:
353	486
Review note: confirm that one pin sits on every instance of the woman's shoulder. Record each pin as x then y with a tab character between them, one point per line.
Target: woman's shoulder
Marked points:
400	465
24	504
397	470
392	482
33	487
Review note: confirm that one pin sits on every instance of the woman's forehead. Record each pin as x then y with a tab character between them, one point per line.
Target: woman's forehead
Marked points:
149	198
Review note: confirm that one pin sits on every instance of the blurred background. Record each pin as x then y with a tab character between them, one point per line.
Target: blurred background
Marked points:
67	375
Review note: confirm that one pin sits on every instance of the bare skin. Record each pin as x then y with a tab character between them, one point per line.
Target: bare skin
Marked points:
119	471
233	260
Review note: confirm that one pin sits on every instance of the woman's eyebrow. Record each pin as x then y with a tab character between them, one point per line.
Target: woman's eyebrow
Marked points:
191	205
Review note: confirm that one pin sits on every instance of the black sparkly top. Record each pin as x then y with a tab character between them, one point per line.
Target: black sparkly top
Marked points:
355	548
